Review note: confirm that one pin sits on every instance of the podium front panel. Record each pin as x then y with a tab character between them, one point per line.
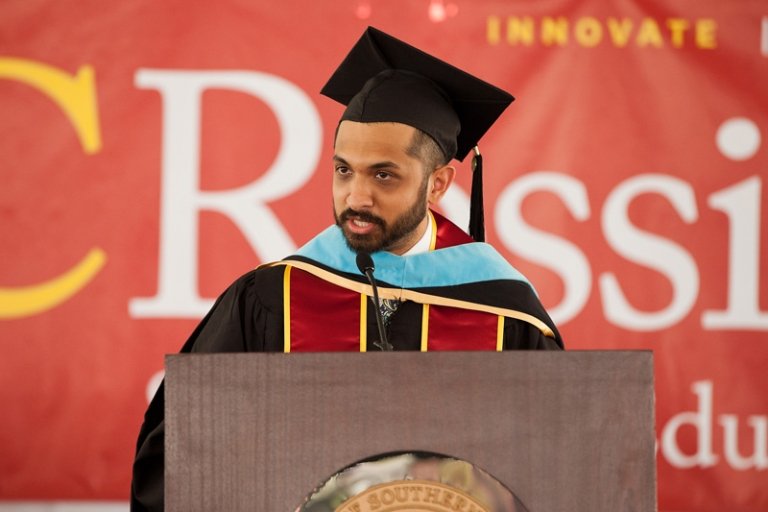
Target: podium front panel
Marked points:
565	431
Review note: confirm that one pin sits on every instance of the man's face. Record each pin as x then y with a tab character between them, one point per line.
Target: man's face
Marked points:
379	190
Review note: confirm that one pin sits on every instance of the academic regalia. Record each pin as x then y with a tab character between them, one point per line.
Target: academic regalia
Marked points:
250	315
461	295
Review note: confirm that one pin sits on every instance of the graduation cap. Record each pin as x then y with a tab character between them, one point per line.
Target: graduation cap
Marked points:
383	79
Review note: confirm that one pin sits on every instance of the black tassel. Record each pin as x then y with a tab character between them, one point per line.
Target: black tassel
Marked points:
476	211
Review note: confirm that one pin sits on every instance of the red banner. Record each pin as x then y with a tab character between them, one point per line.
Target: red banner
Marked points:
154	151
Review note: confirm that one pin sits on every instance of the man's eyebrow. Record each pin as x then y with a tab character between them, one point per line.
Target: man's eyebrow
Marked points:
337	158
386	164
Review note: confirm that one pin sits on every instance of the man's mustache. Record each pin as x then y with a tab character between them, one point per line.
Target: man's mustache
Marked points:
362	216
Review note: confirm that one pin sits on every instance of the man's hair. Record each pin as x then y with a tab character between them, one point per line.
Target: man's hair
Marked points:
424	148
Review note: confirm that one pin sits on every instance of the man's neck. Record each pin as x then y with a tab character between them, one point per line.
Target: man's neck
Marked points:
422	245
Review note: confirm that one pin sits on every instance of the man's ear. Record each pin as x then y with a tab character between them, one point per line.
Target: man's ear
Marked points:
439	181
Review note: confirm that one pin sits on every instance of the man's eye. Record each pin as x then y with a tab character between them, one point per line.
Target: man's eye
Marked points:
342	170
383	175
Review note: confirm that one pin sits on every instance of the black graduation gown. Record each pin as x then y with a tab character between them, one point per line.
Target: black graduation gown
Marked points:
248	317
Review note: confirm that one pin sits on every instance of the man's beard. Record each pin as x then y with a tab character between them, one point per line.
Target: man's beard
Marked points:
386	236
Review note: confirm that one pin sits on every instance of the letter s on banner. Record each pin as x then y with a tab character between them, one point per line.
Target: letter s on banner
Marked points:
246	206
546	249
76	96
649	250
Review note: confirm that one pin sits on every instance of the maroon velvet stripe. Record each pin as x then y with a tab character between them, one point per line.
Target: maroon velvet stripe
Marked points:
460	329
314	303
448	234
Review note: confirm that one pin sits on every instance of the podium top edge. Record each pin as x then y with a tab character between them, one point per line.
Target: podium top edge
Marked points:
434	354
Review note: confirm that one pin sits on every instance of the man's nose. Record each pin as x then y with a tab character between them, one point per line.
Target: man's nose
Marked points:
360	196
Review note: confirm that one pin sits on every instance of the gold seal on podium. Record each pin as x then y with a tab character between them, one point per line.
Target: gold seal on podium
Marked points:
412	496
412	482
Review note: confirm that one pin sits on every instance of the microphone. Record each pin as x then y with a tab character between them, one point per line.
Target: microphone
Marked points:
366	267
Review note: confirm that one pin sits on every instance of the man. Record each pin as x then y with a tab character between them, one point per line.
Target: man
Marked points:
408	114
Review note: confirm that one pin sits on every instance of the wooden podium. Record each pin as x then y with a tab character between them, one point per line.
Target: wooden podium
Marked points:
565	431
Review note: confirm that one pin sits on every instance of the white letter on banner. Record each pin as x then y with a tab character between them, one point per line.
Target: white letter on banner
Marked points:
551	251
764	37
741	203
246	206
759	458
649	250
702	422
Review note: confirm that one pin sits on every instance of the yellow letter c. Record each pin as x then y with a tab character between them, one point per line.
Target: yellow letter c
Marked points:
76	96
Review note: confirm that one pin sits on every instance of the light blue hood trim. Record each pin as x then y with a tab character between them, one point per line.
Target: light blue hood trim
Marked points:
468	263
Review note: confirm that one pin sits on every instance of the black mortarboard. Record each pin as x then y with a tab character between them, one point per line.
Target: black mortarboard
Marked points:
383	79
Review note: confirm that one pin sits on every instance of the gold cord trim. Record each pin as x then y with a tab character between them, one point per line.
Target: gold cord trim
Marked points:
287	309
500	334
363	321
424	327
